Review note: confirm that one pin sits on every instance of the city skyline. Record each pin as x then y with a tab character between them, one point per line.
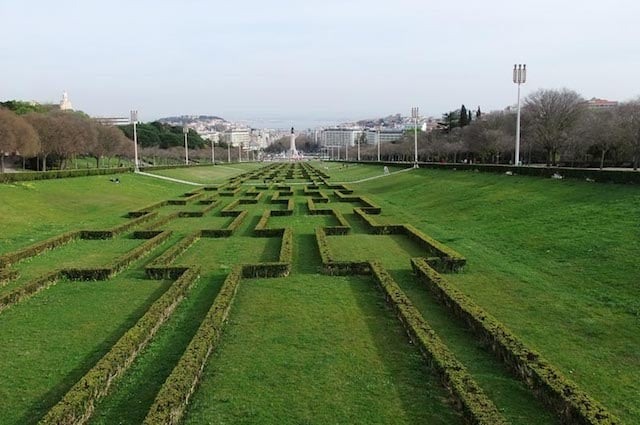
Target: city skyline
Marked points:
289	62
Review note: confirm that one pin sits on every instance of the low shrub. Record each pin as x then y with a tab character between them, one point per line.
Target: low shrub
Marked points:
7	275
28	289
173	398
38	248
229	210
476	406
59	174
564	397
78	403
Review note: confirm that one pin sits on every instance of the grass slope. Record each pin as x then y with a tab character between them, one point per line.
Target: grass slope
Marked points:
556	261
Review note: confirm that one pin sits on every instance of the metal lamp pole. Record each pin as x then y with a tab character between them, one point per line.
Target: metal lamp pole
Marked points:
519	77
134	121
213	152
240	152
185	130
414	115
359	137
378	137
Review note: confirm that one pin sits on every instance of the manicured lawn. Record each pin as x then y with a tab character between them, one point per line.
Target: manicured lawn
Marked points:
213	174
316	350
36	210
556	261
49	342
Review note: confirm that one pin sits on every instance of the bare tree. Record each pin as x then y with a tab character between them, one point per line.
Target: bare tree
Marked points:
595	131
107	143
16	136
551	115
628	126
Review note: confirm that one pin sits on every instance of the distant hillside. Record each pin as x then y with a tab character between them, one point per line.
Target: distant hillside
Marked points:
191	119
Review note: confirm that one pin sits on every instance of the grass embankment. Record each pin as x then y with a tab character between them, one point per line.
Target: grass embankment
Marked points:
36	210
556	261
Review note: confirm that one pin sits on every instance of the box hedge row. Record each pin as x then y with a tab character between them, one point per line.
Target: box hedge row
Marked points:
77	405
28	289
474	403
38	248
58	174
571	404
174	395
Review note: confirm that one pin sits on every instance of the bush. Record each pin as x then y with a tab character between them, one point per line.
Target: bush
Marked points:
28	289
38	248
571	404
476	406
58	174
77	405
172	399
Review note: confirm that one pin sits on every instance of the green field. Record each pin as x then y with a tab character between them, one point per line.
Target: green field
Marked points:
554	261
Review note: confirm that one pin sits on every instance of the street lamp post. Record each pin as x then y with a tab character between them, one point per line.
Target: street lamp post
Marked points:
213	151
229	152
378	140
240	152
185	130
519	77
414	115
359	137
134	121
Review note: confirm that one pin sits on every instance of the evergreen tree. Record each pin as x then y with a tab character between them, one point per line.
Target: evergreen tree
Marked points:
470	117
478	113
464	117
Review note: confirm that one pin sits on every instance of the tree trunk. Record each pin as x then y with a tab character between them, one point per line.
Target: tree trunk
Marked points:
1	162
97	162
44	163
604	151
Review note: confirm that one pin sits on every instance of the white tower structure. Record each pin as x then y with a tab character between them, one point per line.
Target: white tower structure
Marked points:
293	152
65	103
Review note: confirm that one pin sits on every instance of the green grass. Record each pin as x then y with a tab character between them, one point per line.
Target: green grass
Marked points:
77	254
556	261
316	350
132	395
213	174
340	172
59	334
34	211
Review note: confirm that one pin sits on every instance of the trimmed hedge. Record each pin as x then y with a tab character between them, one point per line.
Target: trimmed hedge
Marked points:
59	174
172	399
564	397
8	275
229	210
440	256
77	405
38	248
331	267
475	405
288	211
116	230
172	253
148	208
28	289
163	220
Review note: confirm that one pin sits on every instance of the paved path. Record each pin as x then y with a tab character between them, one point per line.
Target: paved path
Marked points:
168	178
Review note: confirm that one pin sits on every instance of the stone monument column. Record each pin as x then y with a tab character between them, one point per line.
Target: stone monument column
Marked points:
293	153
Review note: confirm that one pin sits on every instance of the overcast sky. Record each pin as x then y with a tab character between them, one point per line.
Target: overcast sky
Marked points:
312	61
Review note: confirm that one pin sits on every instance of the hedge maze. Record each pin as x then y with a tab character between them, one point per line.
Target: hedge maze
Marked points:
255	227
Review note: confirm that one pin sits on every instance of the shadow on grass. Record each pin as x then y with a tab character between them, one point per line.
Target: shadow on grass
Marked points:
415	383
39	408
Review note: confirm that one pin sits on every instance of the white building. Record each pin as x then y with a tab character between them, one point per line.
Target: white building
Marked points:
340	136
386	136
238	136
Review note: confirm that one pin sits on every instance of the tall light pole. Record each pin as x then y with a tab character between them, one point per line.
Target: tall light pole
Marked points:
134	121
185	130
213	152
240	152
359	137
378	140
519	77
414	115
229	152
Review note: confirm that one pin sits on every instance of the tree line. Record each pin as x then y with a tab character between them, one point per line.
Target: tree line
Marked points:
44	136
557	128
